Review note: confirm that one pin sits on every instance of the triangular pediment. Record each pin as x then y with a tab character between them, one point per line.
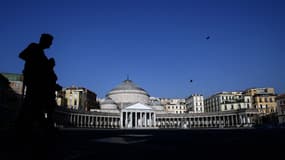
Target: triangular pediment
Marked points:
138	106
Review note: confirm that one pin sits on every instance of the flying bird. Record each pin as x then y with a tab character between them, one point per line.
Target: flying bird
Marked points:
191	81
208	37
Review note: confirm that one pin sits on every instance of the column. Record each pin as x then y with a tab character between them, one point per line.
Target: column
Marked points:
131	117
233	121
88	121
199	122
96	122
85	121
150	119
141	120
154	120
223	120
73	119
215	121
99	121
249	119
136	119
121	119
92	120
145	124
218	121
70	119
212	121
78	120
106	122
226	121
126	120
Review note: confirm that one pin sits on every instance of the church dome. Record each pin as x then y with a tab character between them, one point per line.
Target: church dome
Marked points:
128	93
108	104
127	85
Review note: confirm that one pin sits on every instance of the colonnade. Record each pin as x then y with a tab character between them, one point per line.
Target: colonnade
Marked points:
149	119
208	121
138	119
87	120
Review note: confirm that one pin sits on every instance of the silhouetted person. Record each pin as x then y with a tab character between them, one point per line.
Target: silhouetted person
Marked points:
39	101
36	80
52	87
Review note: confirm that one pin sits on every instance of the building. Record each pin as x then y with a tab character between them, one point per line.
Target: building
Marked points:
128	106
254	91
280	100
174	105
195	103
78	98
15	82
126	94
225	101
263	99
155	103
11	89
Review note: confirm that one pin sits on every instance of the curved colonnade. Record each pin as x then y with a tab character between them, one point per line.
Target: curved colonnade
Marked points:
125	120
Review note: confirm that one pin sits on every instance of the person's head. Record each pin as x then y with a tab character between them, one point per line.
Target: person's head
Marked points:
45	40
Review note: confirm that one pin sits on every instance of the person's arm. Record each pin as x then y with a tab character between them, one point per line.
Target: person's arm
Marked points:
27	52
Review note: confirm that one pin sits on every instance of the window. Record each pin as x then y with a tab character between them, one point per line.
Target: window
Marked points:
232	106
226	107
247	106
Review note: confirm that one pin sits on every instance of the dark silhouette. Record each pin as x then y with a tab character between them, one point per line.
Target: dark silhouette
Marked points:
52	88
40	83
208	37
35	121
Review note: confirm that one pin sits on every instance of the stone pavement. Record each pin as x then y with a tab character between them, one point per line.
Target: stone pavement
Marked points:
88	144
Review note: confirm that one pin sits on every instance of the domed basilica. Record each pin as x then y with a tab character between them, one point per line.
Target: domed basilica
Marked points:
127	94
129	106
